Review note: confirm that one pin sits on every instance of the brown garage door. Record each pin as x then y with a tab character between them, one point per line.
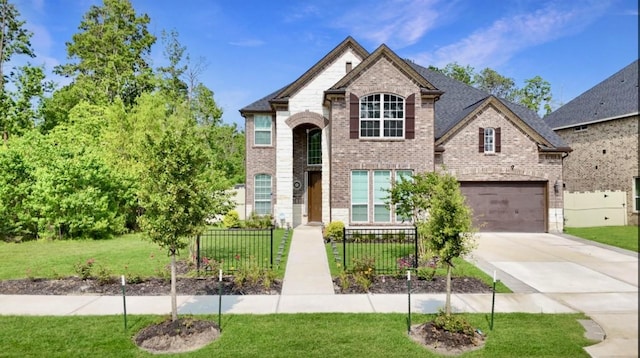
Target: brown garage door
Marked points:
507	206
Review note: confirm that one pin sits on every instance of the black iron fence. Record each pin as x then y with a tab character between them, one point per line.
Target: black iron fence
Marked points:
231	249
389	250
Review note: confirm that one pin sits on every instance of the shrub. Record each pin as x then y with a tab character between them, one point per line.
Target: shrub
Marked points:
83	269
453	323
334	230
231	220
256	221
103	276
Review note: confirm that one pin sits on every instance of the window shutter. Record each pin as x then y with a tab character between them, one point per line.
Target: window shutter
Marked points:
481	141
497	140
410	117
354	116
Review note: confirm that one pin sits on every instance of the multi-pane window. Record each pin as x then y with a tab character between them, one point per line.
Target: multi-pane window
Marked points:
636	194
360	196
489	140
314	147
262	194
381	186
262	129
370	195
382	116
406	175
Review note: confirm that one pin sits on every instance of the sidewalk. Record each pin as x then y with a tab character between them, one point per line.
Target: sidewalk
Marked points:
272	304
307	266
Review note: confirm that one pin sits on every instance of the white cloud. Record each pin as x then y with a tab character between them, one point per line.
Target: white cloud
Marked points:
397	23
496	44
247	43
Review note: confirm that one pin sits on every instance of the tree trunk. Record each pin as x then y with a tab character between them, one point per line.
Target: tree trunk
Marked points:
447	304
174	299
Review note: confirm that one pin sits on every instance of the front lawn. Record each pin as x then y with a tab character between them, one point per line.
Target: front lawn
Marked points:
294	335
625	237
121	255
462	268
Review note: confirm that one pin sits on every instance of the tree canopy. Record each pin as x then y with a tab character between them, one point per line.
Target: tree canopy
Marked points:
535	95
74	159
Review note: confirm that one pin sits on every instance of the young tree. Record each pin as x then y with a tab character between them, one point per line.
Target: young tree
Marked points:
435	203
178	191
449	227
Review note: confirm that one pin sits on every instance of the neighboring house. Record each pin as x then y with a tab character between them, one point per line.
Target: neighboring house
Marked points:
601	126
327	146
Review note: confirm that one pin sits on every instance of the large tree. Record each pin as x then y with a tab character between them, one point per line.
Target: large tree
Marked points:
110	54
491	81
17	112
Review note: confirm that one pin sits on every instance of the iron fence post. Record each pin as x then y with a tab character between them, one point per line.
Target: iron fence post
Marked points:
198	253
271	249
344	248
415	243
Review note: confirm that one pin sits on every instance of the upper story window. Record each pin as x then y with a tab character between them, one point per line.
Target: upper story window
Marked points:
314	147
262	129
382	116
489	139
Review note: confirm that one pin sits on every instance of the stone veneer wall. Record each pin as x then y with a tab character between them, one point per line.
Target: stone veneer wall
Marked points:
391	154
604	157
518	160
259	160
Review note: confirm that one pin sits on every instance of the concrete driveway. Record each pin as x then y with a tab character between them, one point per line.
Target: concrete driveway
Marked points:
595	279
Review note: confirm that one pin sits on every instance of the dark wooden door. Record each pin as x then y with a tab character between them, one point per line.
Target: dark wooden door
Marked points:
314	192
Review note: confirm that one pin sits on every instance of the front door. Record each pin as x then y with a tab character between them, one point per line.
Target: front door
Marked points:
314	192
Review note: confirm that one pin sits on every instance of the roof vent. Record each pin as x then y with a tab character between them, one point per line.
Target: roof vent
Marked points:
348	66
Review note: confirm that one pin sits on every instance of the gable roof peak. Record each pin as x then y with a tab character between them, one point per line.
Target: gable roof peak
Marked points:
348	43
383	51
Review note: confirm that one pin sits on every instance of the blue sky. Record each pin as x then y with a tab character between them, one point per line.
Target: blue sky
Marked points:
255	47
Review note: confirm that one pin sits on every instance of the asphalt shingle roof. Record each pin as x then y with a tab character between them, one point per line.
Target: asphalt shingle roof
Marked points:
458	100
614	97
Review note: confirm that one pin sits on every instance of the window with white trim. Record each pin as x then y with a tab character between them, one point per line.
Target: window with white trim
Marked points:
370	196
489	140
406	175
382	116
314	147
360	196
262	194
381	186
262	129
636	194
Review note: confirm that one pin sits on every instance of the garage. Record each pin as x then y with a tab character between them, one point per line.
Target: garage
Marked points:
507	206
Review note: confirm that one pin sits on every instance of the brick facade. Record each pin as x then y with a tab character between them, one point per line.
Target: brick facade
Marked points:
258	160
392	154
604	157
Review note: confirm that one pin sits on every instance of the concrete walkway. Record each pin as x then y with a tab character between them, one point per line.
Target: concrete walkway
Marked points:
307	266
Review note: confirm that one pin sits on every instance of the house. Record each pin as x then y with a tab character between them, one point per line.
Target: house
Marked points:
326	146
601	174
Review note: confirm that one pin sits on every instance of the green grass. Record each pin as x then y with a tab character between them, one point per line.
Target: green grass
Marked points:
625	237
461	268
295	335
50	259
